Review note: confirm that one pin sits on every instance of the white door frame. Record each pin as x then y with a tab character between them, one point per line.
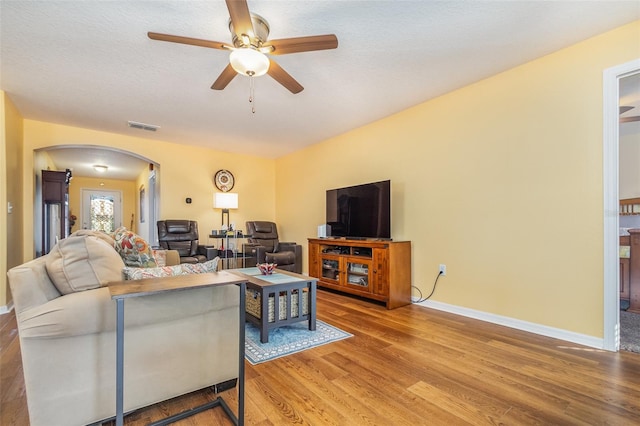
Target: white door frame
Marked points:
153	208
611	83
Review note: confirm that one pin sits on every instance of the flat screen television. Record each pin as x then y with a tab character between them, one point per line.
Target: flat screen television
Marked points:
361	211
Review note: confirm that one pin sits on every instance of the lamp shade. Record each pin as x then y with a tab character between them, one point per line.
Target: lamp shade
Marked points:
225	200
247	61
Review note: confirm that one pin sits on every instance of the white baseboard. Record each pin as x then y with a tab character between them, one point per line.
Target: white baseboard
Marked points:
543	330
5	309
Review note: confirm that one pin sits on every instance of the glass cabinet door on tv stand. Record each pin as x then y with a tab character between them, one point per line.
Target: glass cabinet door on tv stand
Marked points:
341	268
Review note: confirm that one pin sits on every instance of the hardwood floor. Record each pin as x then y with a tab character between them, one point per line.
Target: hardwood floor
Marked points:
408	366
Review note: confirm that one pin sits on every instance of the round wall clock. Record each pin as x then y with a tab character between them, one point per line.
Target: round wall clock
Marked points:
224	180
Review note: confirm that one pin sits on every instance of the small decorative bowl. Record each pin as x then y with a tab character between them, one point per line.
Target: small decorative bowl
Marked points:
266	268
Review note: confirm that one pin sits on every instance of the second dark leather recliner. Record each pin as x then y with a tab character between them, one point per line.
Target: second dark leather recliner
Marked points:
263	238
182	235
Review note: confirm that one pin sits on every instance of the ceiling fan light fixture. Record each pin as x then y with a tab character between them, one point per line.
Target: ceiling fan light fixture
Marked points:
248	61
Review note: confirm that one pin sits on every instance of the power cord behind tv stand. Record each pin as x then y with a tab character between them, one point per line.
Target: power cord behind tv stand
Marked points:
435	283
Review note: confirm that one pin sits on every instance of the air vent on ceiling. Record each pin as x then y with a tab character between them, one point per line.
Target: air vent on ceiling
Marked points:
143	126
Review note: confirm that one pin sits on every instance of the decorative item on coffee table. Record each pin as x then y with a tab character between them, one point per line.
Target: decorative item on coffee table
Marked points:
267	268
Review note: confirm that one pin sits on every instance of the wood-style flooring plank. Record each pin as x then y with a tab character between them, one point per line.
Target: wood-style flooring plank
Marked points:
407	366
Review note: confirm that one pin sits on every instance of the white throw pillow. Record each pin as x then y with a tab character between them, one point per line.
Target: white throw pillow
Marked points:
83	263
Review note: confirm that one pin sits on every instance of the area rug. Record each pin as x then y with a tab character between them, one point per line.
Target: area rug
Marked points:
288	339
629	331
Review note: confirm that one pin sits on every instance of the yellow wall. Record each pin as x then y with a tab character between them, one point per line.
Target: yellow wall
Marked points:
127	188
3	200
11	190
184	172
501	181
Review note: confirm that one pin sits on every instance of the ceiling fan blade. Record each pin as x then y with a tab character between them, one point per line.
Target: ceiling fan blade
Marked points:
283	77
240	17
624	109
630	119
303	44
188	40
224	78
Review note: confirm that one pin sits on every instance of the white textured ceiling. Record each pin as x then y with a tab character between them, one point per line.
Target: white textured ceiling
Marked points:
90	64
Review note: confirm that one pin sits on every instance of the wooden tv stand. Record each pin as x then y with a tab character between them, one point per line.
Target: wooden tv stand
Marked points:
373	269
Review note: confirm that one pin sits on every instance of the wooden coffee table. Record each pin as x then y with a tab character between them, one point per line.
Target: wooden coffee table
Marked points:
278	299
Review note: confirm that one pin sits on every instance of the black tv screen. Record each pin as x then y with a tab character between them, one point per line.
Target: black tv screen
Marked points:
361	211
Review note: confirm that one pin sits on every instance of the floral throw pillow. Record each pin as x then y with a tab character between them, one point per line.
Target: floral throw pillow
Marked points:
133	249
169	271
160	257
200	268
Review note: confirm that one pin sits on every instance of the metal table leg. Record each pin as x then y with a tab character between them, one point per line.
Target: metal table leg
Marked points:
119	362
241	338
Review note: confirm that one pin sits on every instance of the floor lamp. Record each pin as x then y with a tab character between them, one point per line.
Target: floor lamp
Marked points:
225	201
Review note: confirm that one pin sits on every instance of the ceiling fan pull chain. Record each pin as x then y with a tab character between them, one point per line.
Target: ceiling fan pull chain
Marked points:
252	97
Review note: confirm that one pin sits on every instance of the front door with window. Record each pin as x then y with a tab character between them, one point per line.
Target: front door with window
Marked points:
101	210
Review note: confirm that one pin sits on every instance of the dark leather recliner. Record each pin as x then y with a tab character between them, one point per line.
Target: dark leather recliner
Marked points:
263	238
182	235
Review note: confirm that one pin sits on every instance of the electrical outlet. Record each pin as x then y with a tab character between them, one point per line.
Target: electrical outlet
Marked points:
443	269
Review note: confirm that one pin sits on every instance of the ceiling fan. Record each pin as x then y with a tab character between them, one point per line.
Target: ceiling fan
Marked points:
629	119
250	47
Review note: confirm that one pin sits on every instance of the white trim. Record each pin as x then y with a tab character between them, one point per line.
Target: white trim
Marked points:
543	330
610	172
5	309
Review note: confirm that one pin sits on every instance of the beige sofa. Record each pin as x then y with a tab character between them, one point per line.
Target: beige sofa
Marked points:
174	343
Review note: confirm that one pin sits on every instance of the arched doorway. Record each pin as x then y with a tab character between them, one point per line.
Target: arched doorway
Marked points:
135	176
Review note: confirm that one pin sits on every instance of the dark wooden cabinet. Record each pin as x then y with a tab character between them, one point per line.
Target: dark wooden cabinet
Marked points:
55	207
624	278
634	271
625	263
377	270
